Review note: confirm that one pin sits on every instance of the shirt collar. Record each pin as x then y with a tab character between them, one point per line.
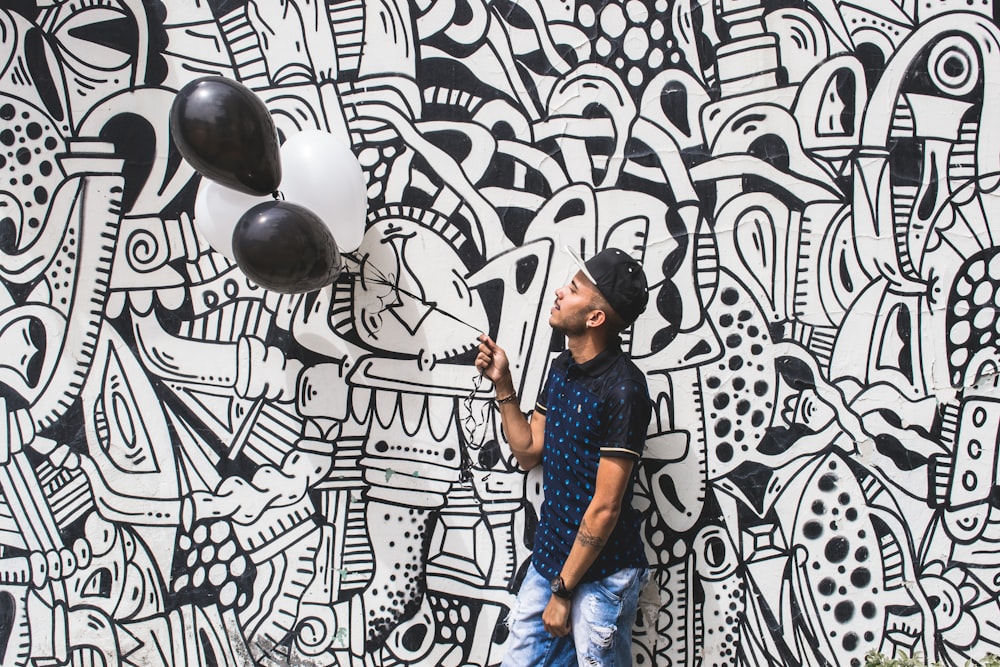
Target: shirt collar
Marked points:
597	365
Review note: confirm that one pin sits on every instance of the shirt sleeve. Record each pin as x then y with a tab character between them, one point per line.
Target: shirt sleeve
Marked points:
629	411
542	402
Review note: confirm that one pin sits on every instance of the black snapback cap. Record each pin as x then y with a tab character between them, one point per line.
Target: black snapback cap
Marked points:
619	278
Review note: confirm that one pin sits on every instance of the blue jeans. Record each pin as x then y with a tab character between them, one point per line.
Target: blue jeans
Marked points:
602	617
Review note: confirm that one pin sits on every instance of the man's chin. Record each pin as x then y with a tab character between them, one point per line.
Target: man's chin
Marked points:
557	326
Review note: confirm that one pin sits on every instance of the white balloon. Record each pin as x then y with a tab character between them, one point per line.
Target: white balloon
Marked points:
217	209
320	172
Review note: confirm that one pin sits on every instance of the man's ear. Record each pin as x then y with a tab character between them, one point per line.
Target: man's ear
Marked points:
596	318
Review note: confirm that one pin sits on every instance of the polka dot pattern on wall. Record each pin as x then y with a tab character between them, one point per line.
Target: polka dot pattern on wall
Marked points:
738	388
631	36
210	564
973	319
28	140
848	567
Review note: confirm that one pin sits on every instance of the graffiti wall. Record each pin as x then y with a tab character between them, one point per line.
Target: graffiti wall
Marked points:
197	471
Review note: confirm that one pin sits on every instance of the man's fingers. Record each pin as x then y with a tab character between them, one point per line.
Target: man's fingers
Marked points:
487	348
557	631
488	342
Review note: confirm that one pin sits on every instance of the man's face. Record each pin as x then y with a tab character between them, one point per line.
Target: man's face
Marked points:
574	302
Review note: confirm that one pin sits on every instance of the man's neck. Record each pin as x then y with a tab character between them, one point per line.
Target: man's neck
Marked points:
585	347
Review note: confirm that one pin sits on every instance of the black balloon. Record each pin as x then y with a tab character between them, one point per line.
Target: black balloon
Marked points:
286	248
227	134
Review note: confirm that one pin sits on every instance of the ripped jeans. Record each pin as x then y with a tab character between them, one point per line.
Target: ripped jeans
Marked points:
602	618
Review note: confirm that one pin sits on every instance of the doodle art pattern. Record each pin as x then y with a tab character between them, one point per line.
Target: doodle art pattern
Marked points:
196	471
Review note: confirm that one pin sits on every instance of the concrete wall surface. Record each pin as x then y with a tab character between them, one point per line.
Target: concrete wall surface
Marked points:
195	470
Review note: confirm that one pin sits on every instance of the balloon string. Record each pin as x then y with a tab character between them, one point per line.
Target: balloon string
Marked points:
471	422
381	279
278	195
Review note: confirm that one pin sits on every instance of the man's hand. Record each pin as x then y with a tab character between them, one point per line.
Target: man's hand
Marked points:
525	437
556	616
492	361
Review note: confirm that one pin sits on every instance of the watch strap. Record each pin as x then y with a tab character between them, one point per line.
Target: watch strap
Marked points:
559	589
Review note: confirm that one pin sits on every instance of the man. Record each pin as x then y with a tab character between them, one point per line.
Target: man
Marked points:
578	600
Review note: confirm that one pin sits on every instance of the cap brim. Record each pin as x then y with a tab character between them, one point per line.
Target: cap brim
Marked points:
580	263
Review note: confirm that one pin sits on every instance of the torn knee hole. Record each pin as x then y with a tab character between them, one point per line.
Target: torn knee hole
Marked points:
602	637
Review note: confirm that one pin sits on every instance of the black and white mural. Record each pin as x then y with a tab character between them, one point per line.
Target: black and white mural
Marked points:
198	471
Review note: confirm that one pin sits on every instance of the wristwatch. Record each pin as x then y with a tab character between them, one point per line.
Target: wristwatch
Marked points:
558	588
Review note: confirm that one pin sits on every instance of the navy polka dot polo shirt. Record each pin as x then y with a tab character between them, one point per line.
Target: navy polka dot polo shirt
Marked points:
598	408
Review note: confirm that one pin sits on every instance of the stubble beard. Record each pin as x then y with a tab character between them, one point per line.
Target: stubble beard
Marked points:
571	326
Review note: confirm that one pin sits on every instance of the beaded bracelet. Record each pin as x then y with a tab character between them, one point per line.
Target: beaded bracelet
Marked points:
506	399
